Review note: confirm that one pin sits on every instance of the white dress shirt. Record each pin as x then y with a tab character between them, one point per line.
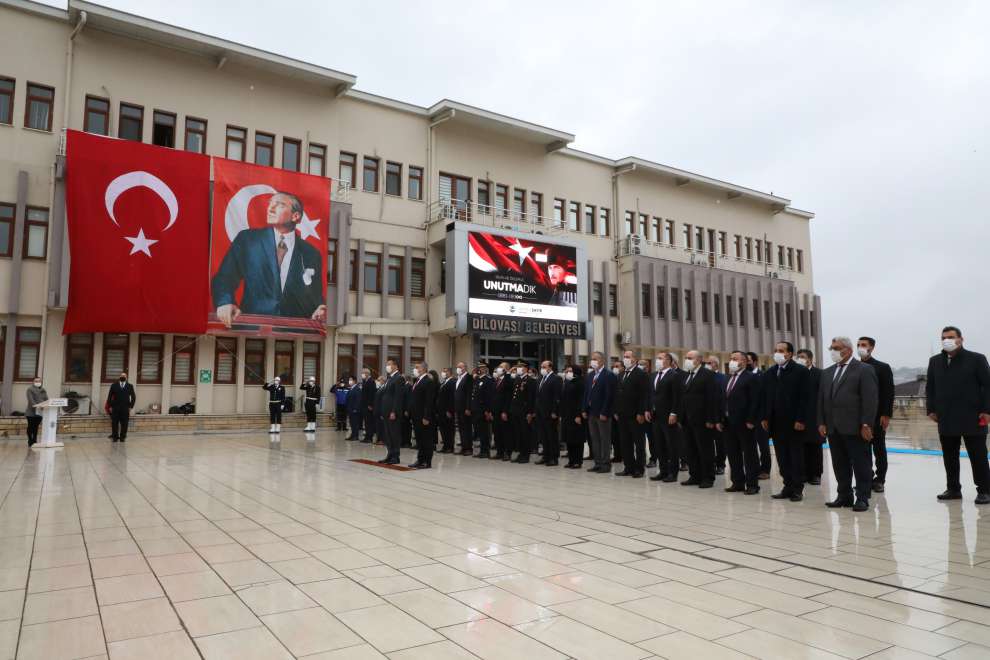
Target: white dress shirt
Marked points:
290	242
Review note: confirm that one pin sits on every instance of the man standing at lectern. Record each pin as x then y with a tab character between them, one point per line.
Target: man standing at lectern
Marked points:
35	394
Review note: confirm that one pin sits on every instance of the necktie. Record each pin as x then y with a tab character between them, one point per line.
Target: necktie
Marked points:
690	378
732	383
838	376
281	251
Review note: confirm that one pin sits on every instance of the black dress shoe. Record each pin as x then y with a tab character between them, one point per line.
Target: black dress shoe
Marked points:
415	465
735	489
815	481
690	482
752	490
861	505
670	478
838	503
796	497
637	475
782	495
593	468
366	442
521	460
624	473
617	459
551	463
467	452
652	463
878	487
950	495
764	476
720	470
706	484
982	498
657	477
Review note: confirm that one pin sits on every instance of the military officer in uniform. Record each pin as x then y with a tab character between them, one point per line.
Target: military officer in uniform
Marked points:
311	400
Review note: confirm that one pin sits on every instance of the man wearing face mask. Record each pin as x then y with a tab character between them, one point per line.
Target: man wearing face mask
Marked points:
761	436
632	401
785	407
885	410
463	386
847	407
276	399
573	425
368	388
391	412
741	413
599	387
422	397
619	370
446	412
482	405
714	364
958	399
355	411
667	388
36	395
699	416
547	403
312	397
120	400
522	410
813	450
501	423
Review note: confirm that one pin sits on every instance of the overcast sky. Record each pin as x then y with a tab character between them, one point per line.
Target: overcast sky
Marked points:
873	115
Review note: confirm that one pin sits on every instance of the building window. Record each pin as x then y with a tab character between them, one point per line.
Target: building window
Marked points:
131	124
501	200
79	358
656	229
39	106
790	258
756	313
291	153
116	349
742	312
150	350
558	212
644	225
596	298
661	302
759	251
717	308
225	360
573	211
393	178
589	219
97	119
613	300
729	311
767	321
749	249
163	128
630	221
255	372
417	287
372	271
803	322
395	267
7	101
27	348
346	168
196	135
688	305
813	326
704	308
484	197
699	239
415	182
7	229
536	207
36	233
800	260
311	360
3	345
371	358
646	300
780	255
519	204
723	240
285	351
787	317
417	354
370	177
675	303
345	362
331	261
686	235
183	360
317	159
264	149
769	252
395	354
603	223
236	141
776	314
737	243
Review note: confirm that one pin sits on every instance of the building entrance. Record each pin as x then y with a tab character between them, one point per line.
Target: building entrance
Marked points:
494	350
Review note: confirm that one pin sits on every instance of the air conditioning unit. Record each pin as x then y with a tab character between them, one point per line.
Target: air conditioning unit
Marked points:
623	338
634	244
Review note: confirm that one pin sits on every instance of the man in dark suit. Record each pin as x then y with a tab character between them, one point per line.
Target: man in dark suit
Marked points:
885	409
501	422
482	407
814	453
522	410
446	412
391	412
847	408
741	414
599	397
120	400
368	389
463	386
785	407
957	396
714	364
276	402
547	413
699	417
632	402
667	386
422	399
355	409
282	274
762	437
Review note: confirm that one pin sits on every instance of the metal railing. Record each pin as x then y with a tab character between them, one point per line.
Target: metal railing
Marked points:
446	210
642	247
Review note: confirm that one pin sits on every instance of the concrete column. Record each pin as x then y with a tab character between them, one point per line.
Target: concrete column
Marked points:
14	298
168	347
133	367
383	277
406	367
407	283
53	370
205	354
239	370
358	353
360	277
96	396
606	342
637	293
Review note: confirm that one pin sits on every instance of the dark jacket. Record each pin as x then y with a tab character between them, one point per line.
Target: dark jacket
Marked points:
700	400
445	398
785	396
276	393
742	404
632	395
958	391
462	393
393	396
548	390
811	414
368	388
600	393
503	394
523	396
482	396
721	381
376	408
35	395
571	399
311	391
885	385
120	399
667	392
422	400
355	397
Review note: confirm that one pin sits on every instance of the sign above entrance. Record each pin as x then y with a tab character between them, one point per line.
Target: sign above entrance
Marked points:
483	323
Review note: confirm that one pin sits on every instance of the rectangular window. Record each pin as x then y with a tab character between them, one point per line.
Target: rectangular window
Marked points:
255	369
613	300
769	252
395	267
519	204
558	213
285	352
536	207
803	322
415	182
116	349
7	229
776	315
813	326
780	255
573	211
484	196
417	288
196	135
668	232
630	223
596	298
371	358
372	272
800	260
39	107
603	222
225	360
79	357
27	348
729	311
97	119
723	243
756	313
646	300
393	178
291	152
711	242
686	235
345	361
3	345
311	360
790	258
767	321
717	308
150	349
131	123
737	243
236	141
163	129
417	354
688	305
644	226
331	261
317	159
183	360
370	177
501	200
661	302
656	229
264	149
742	311
749	249
759	251
36	233
704	308
675	303
7	101
699	239
346	167
787	317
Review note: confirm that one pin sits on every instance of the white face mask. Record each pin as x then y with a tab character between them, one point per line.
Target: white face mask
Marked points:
709	366
544	372
365	376
627	363
689	365
779	358
389	368
835	355
594	365
658	364
615	370
733	366
459	371
568	375
37	383
499	371
949	345
802	361
416	373
863	352
520	372
350	383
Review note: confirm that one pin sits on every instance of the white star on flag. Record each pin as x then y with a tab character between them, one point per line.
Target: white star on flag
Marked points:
141	243
307	228
523	252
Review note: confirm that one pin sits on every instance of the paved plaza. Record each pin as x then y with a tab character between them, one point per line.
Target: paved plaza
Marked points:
227	546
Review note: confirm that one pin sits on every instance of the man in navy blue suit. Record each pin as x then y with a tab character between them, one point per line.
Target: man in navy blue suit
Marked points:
282	273
600	387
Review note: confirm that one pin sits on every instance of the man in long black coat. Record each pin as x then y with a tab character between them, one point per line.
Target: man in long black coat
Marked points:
632	402
547	414
785	388
446	413
885	409
422	402
699	416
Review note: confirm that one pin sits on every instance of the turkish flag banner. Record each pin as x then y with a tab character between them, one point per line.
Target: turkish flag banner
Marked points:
269	251
138	220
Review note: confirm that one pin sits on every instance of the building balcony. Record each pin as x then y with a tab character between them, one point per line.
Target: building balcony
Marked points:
635	245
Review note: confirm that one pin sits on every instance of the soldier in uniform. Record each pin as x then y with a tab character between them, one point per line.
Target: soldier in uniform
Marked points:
522	409
482	403
276	397
312	398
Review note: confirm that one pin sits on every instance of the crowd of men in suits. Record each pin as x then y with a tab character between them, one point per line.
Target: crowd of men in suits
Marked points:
686	415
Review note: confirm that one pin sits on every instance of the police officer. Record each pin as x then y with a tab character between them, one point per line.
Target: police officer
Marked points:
312	398
482	404
276	398
522	410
